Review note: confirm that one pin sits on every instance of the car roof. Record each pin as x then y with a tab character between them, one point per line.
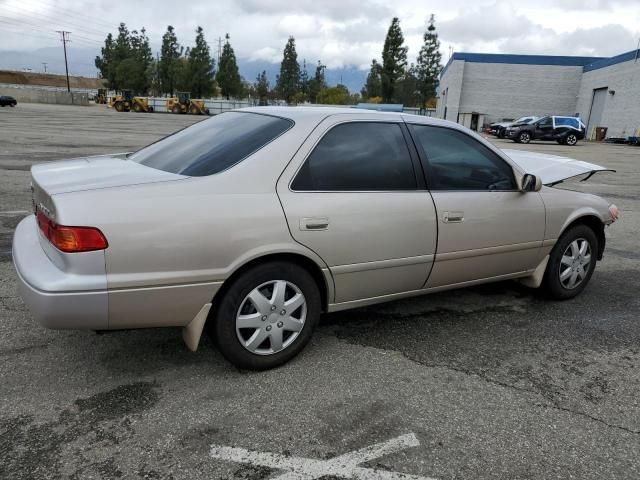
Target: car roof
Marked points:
310	113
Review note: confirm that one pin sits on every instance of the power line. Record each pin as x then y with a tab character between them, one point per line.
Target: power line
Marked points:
53	18
40	28
67	12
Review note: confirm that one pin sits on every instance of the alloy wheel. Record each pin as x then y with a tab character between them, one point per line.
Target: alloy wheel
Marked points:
271	317
575	263
572	139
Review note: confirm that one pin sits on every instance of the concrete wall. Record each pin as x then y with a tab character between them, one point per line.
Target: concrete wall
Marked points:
449	91
502	90
621	113
38	95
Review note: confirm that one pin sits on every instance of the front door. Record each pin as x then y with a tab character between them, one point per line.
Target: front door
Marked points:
352	195
487	228
544	128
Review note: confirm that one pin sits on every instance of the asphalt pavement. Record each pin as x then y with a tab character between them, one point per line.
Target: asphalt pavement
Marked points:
487	382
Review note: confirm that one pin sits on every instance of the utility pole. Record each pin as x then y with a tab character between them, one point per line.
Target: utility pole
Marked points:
45	66
219	50
65	38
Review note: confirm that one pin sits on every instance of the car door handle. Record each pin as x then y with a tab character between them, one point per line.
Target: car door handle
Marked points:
314	223
453	217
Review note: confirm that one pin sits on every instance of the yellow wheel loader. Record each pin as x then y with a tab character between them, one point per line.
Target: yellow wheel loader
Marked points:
126	102
183	103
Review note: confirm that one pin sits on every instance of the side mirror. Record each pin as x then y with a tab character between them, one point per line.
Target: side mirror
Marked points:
531	183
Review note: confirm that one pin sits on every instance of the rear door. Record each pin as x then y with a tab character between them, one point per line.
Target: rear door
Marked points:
487	228
355	194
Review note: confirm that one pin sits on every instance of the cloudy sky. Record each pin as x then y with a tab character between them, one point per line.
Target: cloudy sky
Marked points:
341	33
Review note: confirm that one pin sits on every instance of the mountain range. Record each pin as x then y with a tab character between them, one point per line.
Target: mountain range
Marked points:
81	63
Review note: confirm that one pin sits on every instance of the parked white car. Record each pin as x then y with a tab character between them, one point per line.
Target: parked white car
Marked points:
257	220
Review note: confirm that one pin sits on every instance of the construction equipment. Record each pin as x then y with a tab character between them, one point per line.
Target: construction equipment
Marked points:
183	103
126	102
101	97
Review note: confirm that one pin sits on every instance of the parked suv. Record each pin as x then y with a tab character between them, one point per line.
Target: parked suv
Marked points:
500	129
567	130
6	100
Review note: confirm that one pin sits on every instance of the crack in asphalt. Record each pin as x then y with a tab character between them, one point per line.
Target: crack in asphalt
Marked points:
493	381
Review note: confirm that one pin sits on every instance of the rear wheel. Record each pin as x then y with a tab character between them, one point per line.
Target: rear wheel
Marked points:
524	137
571	139
267	316
119	106
137	108
193	109
571	263
175	109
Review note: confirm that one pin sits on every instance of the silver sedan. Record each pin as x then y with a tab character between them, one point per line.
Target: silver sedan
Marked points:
254	222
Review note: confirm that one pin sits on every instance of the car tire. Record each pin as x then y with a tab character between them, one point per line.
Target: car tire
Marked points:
571	139
267	322
565	276
524	137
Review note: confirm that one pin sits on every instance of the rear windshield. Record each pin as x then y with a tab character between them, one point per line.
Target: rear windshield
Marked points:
212	145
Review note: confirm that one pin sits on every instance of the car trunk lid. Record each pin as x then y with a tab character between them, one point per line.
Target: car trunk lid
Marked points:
553	169
89	173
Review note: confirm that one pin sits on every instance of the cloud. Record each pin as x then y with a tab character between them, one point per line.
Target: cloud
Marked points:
340	33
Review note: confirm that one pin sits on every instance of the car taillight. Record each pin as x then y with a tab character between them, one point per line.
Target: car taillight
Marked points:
71	239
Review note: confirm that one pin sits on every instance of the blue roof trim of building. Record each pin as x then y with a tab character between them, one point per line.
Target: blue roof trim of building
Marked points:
607	62
587	63
515	59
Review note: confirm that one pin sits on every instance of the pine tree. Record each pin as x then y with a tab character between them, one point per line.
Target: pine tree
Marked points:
288	80
373	85
106	63
127	62
228	77
429	66
201	68
394	60
318	83
304	81
262	87
168	66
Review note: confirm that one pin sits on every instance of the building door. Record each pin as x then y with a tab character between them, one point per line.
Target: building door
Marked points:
597	108
474	122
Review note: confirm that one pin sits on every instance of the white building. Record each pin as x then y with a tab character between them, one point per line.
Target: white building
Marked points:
477	89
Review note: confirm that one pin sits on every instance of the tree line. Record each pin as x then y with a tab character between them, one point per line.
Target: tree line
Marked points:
393	81
127	62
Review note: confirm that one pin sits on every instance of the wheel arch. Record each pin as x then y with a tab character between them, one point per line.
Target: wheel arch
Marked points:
321	276
593	221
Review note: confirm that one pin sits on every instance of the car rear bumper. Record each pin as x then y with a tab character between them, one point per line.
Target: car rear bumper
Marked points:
57	298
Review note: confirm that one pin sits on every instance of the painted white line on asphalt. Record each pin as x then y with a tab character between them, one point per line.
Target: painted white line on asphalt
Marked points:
14	212
346	466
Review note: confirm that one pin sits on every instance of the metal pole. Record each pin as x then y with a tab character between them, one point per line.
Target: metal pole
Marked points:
65	39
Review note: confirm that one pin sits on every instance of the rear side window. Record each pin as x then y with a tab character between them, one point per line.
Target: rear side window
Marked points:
567	122
359	156
459	162
212	145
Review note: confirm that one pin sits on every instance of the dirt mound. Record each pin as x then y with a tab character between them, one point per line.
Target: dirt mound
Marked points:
48	80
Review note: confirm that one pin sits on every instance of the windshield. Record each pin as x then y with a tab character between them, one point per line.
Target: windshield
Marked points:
524	120
213	145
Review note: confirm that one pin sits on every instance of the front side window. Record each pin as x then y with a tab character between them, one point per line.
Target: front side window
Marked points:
545	122
359	156
457	161
212	145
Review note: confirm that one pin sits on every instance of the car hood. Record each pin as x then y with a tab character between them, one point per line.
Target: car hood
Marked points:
101	171
553	169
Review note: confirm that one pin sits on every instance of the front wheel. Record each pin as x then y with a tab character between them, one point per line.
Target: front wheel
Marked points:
571	263
266	316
